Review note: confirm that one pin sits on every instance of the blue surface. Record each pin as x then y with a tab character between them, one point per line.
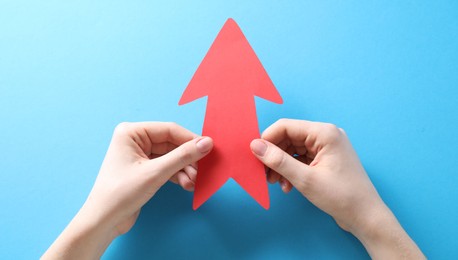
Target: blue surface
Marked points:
385	71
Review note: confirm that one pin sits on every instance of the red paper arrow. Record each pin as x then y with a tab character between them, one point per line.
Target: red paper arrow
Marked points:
231	75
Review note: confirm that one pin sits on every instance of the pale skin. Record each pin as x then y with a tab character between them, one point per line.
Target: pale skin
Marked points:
316	158
327	171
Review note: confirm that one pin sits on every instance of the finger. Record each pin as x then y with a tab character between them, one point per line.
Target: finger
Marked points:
273	177
289	129
191	172
190	152
159	132
312	135
268	175
285	185
195	165
146	134
174	178
184	181
162	148
281	162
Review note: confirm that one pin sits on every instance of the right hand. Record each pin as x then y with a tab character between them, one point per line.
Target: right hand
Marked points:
325	168
319	160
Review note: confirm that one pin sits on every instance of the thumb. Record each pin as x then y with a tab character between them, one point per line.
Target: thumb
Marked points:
190	152
281	162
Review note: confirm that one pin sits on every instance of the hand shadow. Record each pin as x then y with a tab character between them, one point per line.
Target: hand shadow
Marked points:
232	225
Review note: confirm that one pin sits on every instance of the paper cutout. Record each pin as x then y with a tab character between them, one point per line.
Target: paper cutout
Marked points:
231	75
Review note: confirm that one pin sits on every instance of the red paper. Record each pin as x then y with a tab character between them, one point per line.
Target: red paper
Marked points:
231	75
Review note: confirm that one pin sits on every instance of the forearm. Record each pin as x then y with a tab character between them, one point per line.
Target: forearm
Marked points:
384	238
86	237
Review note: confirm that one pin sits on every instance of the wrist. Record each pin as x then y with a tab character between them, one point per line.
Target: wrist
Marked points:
383	236
86	237
369	223
92	220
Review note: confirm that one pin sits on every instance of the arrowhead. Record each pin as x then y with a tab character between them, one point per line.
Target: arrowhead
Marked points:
230	69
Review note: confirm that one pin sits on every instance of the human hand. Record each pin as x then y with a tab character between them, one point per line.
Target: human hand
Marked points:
319	160
141	158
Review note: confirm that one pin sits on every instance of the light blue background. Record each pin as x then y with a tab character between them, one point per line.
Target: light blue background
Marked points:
385	71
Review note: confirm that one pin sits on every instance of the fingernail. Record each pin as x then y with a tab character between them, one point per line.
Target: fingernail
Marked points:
258	147
204	145
283	184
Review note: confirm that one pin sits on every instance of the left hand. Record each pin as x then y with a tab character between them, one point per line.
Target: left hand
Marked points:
141	158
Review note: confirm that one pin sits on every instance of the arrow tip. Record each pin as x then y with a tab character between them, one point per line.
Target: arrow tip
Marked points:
197	204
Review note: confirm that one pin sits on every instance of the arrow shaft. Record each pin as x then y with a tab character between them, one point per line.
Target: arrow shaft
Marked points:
232	130
234	122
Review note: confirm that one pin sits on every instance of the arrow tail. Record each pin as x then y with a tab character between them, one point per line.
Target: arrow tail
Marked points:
211	176
252	178
215	169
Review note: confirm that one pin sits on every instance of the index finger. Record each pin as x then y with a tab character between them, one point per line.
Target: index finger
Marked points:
156	132
301	133
291	130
